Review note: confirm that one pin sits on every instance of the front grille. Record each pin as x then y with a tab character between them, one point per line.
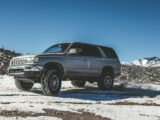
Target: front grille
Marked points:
16	71
16	62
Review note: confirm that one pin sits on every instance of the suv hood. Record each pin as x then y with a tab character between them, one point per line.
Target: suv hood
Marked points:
39	55
25	56
50	54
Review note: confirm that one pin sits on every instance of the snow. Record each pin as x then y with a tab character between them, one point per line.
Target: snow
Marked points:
7	82
156	65
145	86
90	100
141	62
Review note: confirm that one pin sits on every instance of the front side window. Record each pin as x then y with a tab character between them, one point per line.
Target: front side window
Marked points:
58	48
84	50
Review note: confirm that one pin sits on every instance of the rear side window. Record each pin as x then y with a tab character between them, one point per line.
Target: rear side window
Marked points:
109	52
92	51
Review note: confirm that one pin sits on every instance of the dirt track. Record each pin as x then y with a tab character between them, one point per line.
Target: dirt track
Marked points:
65	115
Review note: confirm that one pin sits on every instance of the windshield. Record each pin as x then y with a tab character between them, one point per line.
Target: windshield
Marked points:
58	48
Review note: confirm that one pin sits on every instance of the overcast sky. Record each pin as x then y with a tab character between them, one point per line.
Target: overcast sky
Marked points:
131	27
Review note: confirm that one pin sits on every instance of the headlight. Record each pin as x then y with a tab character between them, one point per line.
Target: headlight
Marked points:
29	60
35	60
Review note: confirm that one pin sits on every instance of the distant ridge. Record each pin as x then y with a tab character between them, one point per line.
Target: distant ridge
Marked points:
146	62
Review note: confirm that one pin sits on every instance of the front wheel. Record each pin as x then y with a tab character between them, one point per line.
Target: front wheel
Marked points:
106	81
51	83
22	85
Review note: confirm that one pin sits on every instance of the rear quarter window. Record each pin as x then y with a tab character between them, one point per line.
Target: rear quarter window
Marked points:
109	52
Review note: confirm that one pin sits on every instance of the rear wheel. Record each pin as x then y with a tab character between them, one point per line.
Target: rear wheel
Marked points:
51	83
106	81
78	83
23	85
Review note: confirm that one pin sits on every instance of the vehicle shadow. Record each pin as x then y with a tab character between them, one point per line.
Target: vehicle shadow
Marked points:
94	94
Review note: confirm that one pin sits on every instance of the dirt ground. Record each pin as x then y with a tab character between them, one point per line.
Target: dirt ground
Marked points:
65	115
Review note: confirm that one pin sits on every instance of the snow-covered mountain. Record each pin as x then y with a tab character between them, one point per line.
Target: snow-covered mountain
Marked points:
147	62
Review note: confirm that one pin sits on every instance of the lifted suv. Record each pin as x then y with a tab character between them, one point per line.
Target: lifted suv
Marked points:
78	62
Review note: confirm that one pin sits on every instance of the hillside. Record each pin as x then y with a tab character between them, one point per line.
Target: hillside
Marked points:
146	70
139	74
5	57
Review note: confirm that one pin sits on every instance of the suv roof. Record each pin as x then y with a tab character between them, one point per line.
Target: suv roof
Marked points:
90	44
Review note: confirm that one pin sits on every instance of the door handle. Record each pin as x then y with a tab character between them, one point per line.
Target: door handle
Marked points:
85	60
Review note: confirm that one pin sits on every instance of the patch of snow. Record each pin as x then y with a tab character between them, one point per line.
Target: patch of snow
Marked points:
144	86
119	112
7	82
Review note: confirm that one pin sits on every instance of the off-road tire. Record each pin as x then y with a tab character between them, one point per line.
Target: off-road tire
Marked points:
78	83
22	85
106	81
51	83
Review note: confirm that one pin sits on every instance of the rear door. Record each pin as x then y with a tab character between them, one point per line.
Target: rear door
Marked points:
94	57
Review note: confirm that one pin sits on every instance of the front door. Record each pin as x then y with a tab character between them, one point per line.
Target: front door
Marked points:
76	65
82	60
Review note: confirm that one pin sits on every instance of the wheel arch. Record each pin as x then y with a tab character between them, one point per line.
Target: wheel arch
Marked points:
54	65
108	69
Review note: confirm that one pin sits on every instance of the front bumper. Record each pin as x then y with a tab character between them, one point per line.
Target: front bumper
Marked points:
25	71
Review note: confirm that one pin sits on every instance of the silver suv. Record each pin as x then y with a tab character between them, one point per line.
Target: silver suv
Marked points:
76	61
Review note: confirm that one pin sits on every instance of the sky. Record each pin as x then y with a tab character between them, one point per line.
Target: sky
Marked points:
131	27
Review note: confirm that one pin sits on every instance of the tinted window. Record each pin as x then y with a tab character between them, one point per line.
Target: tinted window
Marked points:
87	50
109	52
92	51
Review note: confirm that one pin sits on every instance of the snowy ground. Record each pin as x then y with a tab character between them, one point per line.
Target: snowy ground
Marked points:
135	102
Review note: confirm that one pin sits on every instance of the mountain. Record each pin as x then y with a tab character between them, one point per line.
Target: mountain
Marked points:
5	57
146	62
